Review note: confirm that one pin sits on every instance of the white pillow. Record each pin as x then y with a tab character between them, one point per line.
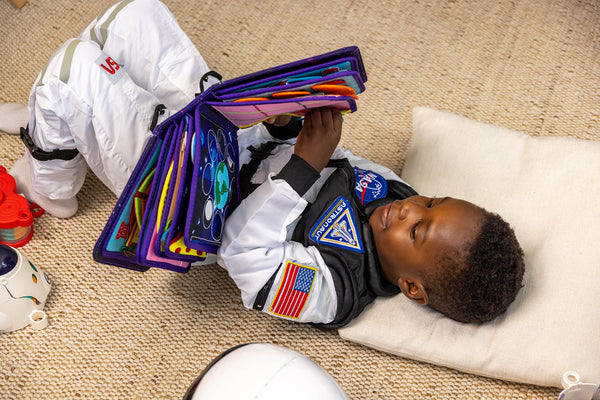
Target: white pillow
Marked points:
548	189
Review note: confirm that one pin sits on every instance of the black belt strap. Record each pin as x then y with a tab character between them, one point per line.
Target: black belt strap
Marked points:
69	154
43	155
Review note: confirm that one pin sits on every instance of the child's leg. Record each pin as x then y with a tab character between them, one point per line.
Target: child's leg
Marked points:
144	38
83	100
102	102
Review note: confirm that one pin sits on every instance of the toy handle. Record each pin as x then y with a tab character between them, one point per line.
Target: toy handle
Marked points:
570	378
38	319
36	210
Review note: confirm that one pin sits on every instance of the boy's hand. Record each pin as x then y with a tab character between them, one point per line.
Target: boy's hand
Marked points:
319	136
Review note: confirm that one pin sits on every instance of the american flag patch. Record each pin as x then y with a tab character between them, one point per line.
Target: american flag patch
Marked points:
293	290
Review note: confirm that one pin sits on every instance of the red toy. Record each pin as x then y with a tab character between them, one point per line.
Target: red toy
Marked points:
16	215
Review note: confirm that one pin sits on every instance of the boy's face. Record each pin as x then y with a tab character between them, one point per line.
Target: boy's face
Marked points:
412	234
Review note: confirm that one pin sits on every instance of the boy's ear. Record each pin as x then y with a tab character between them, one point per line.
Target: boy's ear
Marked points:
414	290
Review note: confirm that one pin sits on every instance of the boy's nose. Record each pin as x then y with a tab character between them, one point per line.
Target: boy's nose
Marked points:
411	210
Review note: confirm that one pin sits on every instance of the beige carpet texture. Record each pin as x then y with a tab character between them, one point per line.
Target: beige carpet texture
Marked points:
527	65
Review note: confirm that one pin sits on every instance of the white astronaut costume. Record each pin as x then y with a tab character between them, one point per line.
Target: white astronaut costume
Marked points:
98	94
257	235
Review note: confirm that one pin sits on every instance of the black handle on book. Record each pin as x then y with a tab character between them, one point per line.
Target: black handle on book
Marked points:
205	79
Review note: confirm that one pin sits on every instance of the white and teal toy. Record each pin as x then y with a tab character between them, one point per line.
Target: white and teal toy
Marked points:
24	289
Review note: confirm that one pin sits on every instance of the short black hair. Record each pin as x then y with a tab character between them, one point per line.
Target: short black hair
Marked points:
480	281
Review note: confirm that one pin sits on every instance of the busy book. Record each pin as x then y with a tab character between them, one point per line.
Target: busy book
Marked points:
172	212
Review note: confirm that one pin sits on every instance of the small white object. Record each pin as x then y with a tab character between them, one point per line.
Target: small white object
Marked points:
570	378
24	289
575	390
262	371
38	320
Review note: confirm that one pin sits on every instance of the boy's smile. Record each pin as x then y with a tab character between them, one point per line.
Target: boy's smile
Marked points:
412	234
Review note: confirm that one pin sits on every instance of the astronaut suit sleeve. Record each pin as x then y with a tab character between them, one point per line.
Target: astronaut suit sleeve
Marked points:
257	251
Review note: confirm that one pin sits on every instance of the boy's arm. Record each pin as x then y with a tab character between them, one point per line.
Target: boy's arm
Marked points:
256	253
278	276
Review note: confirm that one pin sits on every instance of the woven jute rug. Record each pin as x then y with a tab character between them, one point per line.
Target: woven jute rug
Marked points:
528	65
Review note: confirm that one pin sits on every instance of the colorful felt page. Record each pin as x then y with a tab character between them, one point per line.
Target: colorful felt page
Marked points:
214	180
253	112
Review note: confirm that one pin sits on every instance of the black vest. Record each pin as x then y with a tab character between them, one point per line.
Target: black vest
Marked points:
337	223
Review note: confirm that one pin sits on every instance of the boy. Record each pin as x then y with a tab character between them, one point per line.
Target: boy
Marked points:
96	100
317	241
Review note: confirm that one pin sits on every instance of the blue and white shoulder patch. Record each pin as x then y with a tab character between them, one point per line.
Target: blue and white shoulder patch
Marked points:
369	186
337	227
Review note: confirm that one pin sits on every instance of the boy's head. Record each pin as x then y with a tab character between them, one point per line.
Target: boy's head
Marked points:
449	254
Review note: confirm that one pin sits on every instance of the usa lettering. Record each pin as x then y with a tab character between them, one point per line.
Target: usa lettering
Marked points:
111	66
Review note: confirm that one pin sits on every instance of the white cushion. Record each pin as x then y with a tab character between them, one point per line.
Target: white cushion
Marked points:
548	189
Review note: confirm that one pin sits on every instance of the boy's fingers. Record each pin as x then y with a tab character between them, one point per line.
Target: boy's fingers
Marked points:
326	116
316	117
338	120
307	119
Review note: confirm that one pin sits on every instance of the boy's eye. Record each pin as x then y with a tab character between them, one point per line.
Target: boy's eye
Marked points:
413	230
430	203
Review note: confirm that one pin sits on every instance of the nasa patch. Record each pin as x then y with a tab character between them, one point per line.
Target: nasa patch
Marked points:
369	186
337	227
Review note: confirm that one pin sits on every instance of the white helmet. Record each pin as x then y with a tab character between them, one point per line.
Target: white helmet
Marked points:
263	371
24	289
